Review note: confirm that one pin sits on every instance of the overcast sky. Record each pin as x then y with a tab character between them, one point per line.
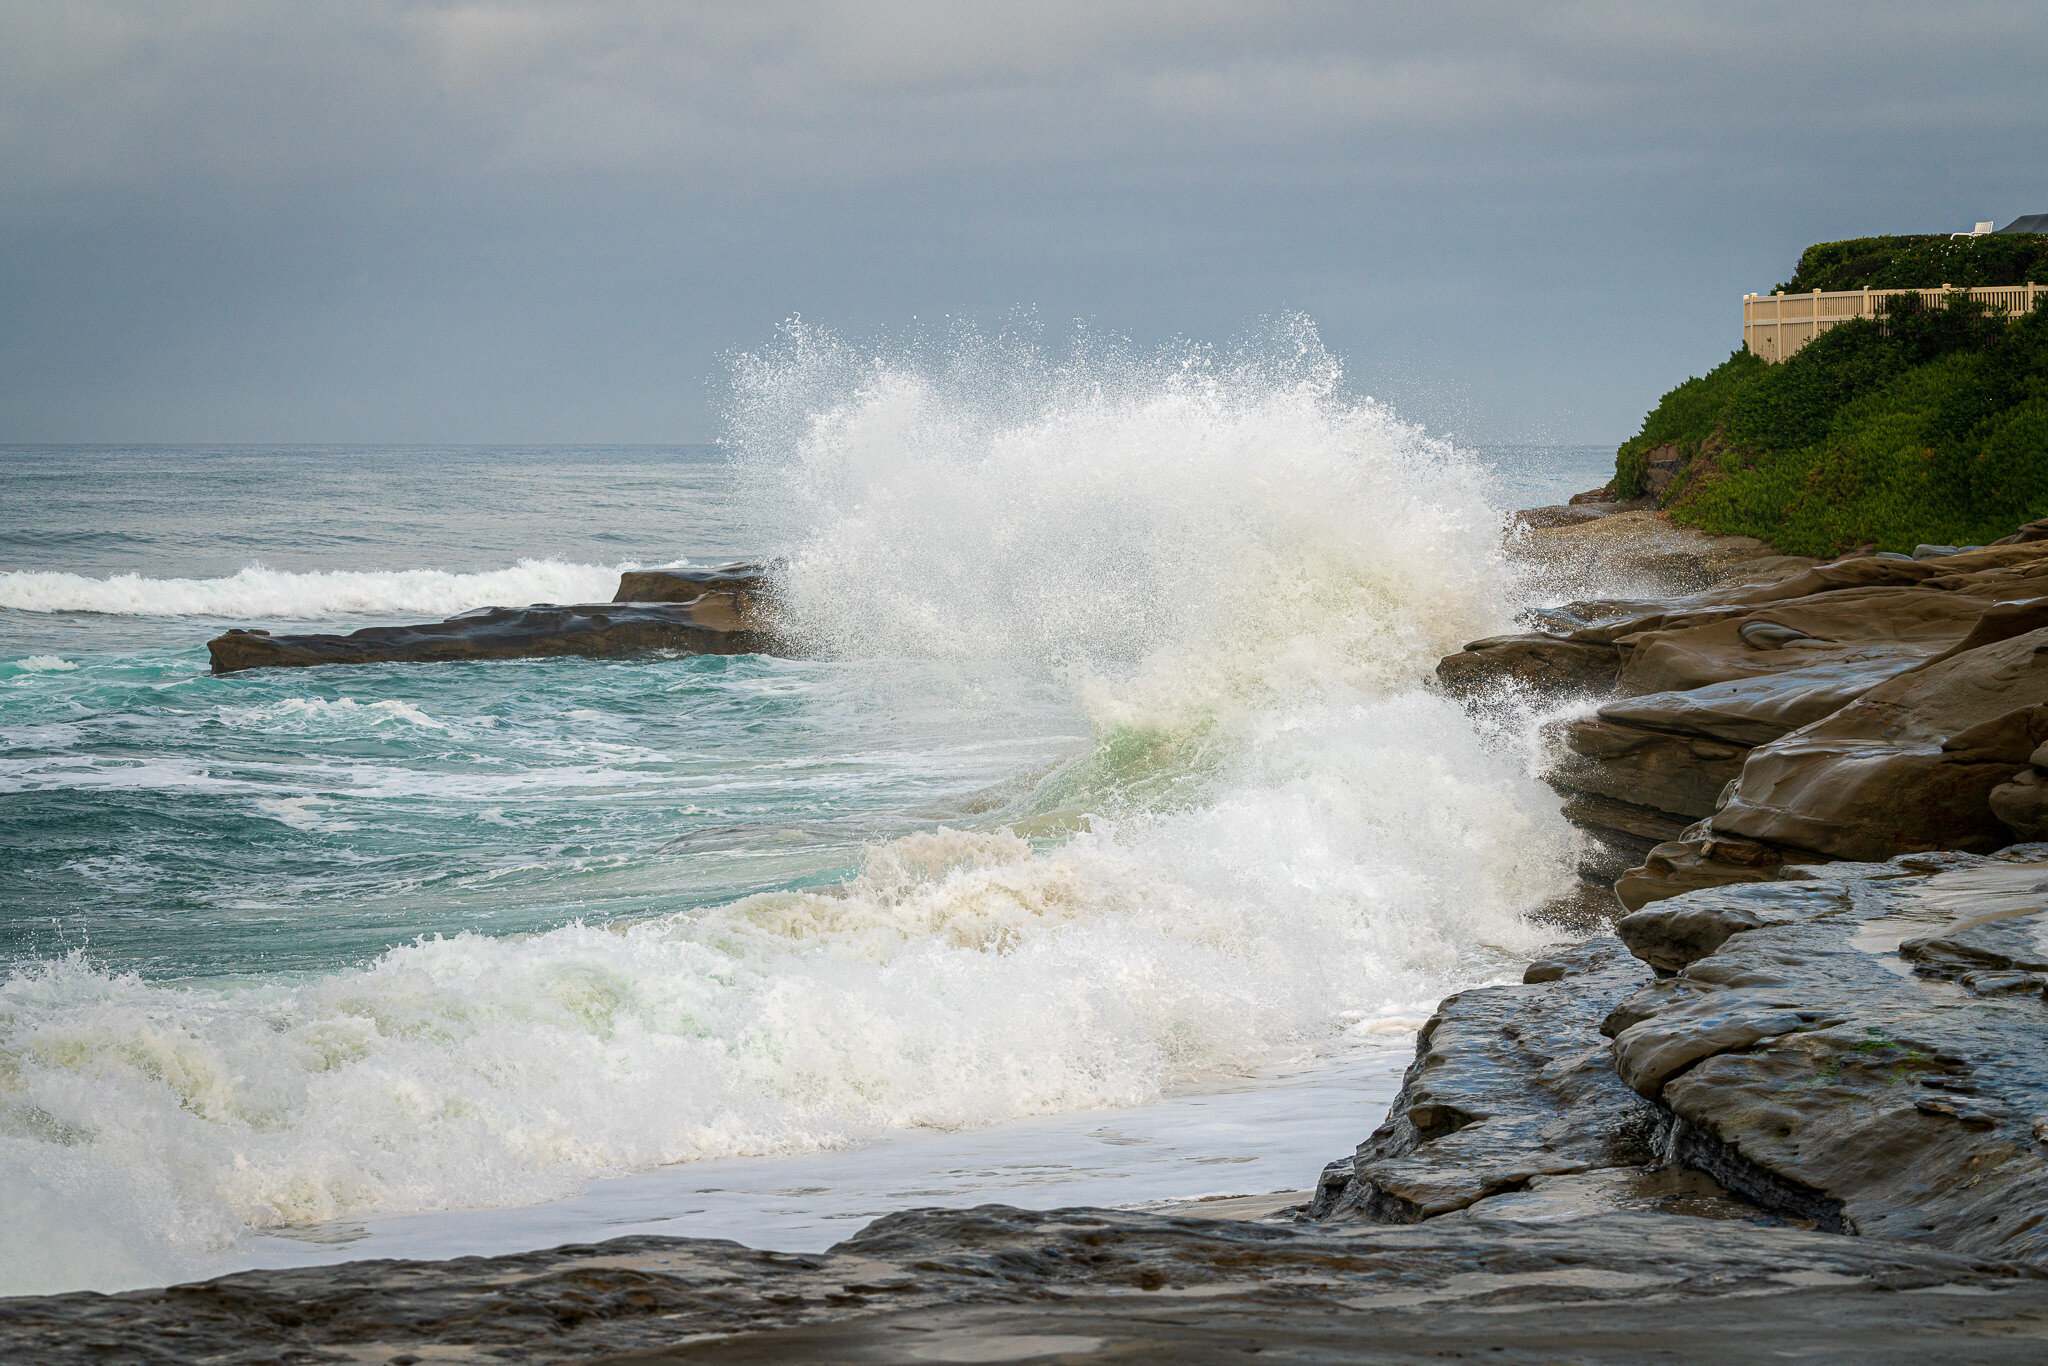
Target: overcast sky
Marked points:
232	220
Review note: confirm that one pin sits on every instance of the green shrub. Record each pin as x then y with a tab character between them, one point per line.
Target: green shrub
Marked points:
1925	261
1687	416
1929	425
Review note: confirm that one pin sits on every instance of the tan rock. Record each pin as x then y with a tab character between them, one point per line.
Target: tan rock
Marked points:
1641	549
1679	774
1858	625
1908	766
1537	663
1696	862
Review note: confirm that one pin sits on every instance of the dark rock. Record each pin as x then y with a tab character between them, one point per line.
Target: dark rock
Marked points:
1542	665
1568	1281
1674	936
595	629
1596	1194
1682	775
1509	1083
1664	466
1704	860
1804	1046
1643	826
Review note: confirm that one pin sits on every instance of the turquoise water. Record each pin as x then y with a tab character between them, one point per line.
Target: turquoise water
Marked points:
1114	781
180	824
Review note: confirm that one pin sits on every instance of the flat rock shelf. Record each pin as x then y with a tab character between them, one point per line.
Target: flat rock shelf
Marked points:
1083	1285
721	611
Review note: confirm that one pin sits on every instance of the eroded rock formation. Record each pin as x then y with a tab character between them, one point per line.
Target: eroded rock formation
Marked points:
695	611
1858	1050
1793	713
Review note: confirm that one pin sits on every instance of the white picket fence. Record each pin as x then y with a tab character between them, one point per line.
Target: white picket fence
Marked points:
1776	325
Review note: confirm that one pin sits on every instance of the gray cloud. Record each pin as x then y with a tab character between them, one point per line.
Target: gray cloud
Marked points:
310	220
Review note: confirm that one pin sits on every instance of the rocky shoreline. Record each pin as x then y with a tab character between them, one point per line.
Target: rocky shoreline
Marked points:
1793	1104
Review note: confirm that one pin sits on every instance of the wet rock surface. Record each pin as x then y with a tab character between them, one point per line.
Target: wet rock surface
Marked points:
1873	1036
722	610
1000	1284
1509	1083
590	630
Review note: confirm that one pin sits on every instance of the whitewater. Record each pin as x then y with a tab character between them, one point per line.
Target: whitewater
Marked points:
1110	785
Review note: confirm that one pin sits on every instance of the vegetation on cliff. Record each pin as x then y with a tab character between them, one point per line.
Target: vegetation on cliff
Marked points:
1922	261
1927	426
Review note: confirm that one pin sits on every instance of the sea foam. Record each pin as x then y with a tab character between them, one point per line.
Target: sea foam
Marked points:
1278	841
256	593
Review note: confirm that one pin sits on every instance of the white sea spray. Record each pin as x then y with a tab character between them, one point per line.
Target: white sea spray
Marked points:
1277	838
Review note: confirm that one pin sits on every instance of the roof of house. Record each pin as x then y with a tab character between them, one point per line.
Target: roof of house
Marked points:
2033	222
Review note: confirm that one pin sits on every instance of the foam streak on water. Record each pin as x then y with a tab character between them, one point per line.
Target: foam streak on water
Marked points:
1274	845
277	595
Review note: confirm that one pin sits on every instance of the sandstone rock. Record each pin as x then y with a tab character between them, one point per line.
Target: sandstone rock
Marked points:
1702	860
728	597
1539	664
1608	817
1909	765
687	585
2036	530
1508	1083
598	629
1814	1061
1636	547
1679	774
1665	640
1850	626
2000	621
1760	708
2022	804
1562	1283
1562	514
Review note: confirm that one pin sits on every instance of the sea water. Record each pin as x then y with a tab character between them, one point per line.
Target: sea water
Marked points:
1103	845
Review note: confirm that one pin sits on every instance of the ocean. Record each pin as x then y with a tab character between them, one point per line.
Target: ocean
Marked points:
1105	846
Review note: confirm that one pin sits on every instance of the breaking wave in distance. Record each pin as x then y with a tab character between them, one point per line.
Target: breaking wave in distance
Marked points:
275	594
1277	844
